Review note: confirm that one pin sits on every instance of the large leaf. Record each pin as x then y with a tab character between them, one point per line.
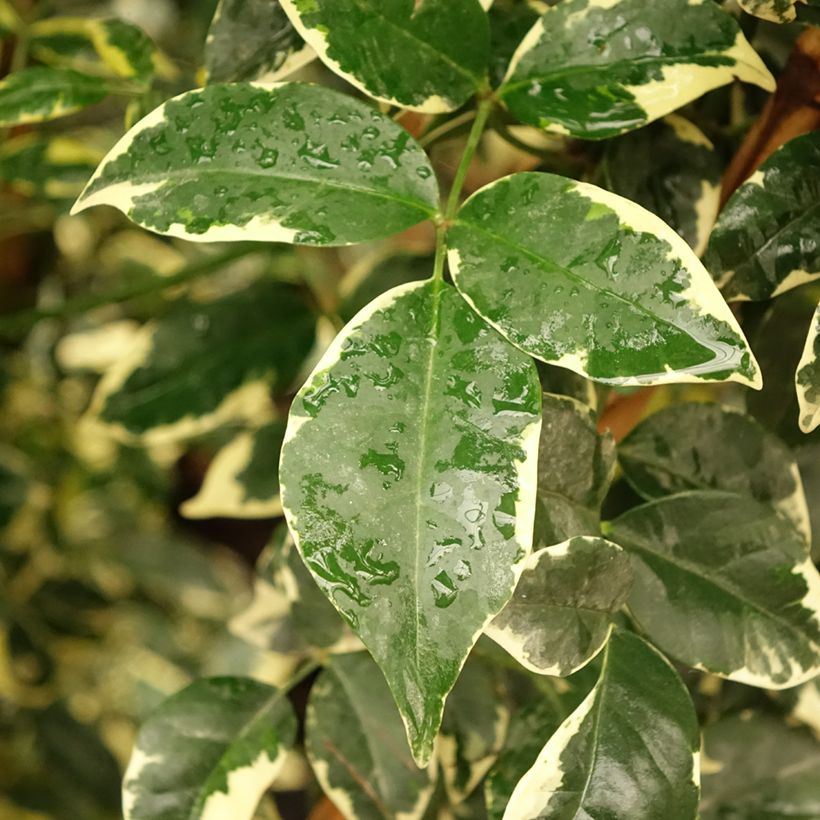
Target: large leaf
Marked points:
430	56
356	744
575	468
807	378
243	479
629	751
209	752
760	769
418	526
709	447
561	613
777	11
725	584
40	93
587	280
597	68
252	40
205	363
767	239
677	176
278	163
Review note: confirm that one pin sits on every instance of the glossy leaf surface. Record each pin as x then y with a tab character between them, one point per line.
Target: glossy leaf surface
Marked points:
41	93
767	239
205	363
279	163
243	479
629	750
597	68
594	283
210	752
671	169
807	378
575	468
252	40
709	447
356	744
561	613
724	584
418	528
429	56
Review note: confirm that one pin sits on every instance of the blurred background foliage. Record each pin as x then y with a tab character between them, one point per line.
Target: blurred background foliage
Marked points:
127	542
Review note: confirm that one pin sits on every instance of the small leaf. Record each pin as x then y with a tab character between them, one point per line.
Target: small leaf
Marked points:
575	468
724	584
587	280
776	11
678	176
253	40
807	378
243	479
767	240
355	742
280	163
597	68
203	364
629	750
417	528
695	446
561	613
430	56
210	752
759	768
39	93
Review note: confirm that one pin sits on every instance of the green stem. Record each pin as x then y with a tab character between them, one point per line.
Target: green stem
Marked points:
23	320
485	106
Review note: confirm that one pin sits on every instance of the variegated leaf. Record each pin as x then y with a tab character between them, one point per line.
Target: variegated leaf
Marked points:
807	378
767	240
561	614
629	751
776	11
725	584
418	526
274	163
582	278
209	752
430	56
597	68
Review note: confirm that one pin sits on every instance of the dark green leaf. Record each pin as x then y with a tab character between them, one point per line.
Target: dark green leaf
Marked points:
430	56
13	485
418	526
281	163
582	278
807	378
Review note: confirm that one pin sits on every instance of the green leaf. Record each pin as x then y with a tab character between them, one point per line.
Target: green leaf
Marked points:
252	40
473	729
243	479
575	468
9	19
13	485
282	163
561	614
807	378
355	742
767	240
759	768
418	526
694	446
54	168
629	751
776	11
582	278
209	752
38	94
509	24
203	364
597	68
724	584
429	57
671	169
109	47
